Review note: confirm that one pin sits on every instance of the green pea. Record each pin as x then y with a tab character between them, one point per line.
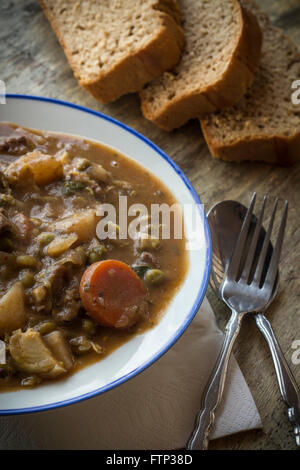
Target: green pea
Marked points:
35	232
154	276
45	238
36	222
96	254
83	164
149	243
88	327
89	190
26	261
27	278
7	200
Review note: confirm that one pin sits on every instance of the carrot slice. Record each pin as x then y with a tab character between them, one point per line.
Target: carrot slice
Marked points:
113	294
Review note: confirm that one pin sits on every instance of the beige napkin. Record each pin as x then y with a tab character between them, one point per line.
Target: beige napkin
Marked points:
155	410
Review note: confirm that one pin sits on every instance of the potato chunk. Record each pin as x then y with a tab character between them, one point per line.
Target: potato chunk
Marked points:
45	168
61	244
82	224
31	354
59	347
12	309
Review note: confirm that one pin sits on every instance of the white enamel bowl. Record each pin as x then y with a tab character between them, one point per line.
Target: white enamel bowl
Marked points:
144	349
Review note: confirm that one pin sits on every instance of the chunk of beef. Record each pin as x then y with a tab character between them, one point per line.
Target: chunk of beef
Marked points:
5	225
148	258
58	274
63	278
4	186
22	227
15	146
68	303
67	312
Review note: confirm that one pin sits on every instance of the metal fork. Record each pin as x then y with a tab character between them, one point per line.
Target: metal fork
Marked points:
248	287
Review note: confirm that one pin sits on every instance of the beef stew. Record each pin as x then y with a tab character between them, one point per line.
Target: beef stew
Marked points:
68	298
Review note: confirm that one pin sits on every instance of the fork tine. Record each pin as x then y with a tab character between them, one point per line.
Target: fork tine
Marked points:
273	266
238	249
263	254
253	245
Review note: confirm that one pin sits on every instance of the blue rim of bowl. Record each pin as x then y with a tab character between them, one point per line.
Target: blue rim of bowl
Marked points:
202	288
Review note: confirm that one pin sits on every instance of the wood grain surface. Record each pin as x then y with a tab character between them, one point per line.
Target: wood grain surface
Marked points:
32	62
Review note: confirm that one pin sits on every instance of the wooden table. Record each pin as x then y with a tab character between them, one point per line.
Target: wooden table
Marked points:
32	62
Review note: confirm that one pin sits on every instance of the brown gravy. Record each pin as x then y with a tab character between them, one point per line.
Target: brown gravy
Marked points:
42	205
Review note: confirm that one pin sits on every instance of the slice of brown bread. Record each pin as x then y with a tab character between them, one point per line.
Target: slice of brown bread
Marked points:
116	46
220	57
265	124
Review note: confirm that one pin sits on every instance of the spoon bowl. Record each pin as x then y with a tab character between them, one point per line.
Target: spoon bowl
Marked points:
225	221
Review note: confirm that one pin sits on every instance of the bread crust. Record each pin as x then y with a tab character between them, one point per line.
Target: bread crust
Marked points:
221	94
280	146
275	149
138	69
129	75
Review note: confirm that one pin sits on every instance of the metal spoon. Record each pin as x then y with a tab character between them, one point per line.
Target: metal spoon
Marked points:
225	221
